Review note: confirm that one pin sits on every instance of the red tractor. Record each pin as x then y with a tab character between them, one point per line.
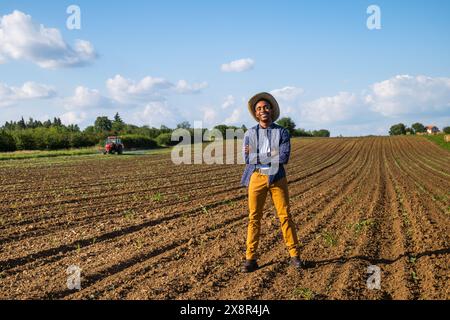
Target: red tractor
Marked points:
113	145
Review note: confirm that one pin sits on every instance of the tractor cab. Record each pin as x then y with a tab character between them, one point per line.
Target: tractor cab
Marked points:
113	145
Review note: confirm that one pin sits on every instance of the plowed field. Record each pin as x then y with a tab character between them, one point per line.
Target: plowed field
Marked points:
140	227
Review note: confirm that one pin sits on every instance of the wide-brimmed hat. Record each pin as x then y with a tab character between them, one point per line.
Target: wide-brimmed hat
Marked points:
264	96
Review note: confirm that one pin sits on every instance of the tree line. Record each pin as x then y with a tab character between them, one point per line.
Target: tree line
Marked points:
402	129
290	125
53	134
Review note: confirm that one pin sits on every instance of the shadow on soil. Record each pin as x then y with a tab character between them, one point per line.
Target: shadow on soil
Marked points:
373	261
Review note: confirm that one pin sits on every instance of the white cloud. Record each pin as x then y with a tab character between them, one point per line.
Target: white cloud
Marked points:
73	117
126	90
148	89
87	98
235	118
157	113
210	116
287	93
32	90
213	116
229	102
404	94
23	39
402	97
184	87
330	109
29	90
238	65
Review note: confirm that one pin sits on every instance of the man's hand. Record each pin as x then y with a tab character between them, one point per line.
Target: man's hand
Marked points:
247	149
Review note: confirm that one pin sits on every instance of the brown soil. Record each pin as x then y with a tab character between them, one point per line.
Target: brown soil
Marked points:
140	227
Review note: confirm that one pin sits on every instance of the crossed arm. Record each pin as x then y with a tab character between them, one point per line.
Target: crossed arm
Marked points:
278	155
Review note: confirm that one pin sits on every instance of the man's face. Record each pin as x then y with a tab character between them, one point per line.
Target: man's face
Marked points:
263	111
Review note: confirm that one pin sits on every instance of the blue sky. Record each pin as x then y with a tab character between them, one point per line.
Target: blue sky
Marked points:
160	62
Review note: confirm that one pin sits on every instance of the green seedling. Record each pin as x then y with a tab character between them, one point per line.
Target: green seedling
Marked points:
129	214
303	293
414	277
204	209
138	244
329	238
157	197
363	224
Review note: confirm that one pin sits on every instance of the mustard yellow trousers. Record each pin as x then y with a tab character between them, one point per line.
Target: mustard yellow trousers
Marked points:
257	193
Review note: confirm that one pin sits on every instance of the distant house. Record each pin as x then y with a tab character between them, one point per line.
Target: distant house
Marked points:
432	129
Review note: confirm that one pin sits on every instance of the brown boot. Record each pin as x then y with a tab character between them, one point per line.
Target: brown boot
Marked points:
249	266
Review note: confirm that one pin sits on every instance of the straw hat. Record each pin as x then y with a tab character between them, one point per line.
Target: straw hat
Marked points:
264	96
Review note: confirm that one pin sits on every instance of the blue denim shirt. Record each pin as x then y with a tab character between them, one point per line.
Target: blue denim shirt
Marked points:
284	154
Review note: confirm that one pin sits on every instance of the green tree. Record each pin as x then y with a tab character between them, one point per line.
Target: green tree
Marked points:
90	130
117	125
302	133
21	124
223	129
184	125
8	126
31	123
321	133
103	124
138	141
165	129
287	123
117	118
397	129
165	139
446	130
7	142
47	124
56	138
57	122
73	128
418	127
80	139
25	140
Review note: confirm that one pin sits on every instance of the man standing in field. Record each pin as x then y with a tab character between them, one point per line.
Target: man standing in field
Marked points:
266	149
